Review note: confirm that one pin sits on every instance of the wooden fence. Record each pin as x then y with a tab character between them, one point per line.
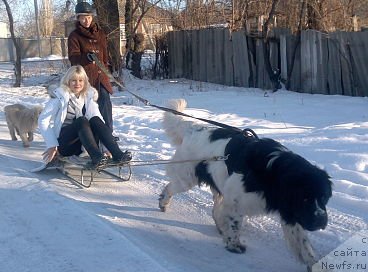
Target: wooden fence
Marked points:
334	63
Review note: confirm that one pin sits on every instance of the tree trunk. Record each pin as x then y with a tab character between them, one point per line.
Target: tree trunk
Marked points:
108	18
128	31
274	74
16	42
297	44
314	15
137	54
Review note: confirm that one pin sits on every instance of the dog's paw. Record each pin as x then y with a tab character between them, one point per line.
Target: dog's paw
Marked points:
163	202
14	139
26	145
218	228
236	248
162	208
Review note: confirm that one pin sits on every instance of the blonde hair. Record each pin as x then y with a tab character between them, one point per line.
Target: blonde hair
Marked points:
75	72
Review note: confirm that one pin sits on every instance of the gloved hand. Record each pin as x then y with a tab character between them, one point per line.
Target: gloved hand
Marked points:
90	56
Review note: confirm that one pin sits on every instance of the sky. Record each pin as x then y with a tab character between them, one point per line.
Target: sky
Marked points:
24	10
48	223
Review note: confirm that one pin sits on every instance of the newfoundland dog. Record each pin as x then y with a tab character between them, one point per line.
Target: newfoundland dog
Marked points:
259	176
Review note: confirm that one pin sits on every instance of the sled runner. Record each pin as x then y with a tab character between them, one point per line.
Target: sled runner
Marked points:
76	169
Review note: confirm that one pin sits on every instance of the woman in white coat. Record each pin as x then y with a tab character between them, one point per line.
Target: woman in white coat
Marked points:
71	119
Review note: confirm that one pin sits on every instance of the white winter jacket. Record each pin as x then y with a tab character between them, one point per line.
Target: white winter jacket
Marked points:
54	113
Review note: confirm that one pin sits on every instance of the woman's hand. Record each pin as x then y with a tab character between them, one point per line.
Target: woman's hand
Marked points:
49	154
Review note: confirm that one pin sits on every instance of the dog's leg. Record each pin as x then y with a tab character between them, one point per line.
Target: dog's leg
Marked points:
11	129
297	240
228	214
229	221
174	187
182	179
165	198
30	136
24	138
217	200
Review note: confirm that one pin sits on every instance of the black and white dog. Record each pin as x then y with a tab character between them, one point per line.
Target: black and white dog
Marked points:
259	176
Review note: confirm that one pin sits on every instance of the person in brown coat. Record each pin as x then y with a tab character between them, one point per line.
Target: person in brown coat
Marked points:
87	38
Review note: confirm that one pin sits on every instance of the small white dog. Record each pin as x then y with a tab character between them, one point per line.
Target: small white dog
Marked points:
22	120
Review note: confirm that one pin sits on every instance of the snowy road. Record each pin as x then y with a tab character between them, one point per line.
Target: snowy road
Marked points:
50	224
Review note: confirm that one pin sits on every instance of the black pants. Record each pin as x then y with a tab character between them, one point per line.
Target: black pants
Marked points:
87	133
105	106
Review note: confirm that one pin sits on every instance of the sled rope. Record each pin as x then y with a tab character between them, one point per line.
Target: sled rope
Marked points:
247	131
153	162
158	162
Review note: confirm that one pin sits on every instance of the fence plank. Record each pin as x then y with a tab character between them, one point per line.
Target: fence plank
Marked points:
12	51
263	80
187	54
307	71
345	60
180	54
228	69
359	54
313	62
210	55
202	56
195	55
252	64
284	57
334	66
287	44
241	62
321	84
171	53
219	57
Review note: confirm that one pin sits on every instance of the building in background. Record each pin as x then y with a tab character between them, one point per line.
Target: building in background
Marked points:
4	30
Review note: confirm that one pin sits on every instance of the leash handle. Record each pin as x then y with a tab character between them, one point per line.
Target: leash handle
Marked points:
93	57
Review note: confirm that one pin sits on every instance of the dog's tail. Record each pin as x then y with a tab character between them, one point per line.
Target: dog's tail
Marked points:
173	124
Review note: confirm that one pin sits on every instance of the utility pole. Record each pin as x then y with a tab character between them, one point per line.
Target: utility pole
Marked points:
37	28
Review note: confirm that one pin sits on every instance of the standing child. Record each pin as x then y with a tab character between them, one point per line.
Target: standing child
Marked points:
89	38
72	120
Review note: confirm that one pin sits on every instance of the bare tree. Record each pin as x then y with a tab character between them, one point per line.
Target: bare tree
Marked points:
135	11
62	13
23	17
108	15
46	18
323	15
315	14
18	63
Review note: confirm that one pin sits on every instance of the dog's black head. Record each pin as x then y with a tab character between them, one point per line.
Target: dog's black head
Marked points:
305	191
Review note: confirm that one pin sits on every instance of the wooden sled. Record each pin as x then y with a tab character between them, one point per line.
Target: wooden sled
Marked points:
75	169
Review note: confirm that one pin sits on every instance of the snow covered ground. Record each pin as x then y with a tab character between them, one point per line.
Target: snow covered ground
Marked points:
50	224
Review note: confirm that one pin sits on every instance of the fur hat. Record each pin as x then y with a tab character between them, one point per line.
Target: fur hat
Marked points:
84	8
